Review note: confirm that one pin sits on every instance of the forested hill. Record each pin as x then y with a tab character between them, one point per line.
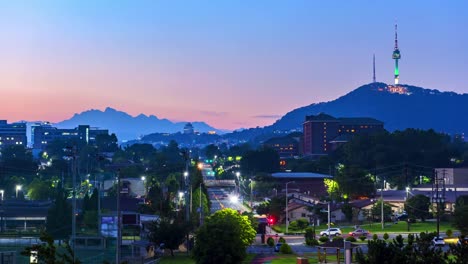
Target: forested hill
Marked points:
415	108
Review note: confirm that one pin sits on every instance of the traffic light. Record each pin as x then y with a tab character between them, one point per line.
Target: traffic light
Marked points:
271	220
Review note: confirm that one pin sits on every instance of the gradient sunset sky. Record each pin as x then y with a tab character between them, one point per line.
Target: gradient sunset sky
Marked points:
231	64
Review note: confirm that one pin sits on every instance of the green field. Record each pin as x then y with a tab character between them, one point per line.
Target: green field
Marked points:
400	227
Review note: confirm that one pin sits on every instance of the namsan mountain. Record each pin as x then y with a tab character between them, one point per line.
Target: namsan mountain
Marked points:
399	107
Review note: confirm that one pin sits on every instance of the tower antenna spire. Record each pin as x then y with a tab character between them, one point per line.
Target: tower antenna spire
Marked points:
396	36
373	69
396	56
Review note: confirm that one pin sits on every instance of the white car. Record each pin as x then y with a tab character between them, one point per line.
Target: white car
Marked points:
438	241
331	232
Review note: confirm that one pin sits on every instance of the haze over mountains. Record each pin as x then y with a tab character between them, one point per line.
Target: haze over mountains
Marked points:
416	108
127	127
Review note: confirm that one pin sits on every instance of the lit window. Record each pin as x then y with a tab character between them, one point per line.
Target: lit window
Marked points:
352	130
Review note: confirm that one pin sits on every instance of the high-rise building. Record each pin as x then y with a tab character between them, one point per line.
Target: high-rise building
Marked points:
396	56
43	134
323	133
12	134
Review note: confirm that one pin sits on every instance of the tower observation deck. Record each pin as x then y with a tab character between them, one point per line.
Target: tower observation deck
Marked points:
396	56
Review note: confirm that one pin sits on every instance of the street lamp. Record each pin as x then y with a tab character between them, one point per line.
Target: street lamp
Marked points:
18	188
287	218
238	182
2	192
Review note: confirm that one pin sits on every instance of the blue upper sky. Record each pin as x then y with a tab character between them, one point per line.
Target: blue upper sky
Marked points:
231	63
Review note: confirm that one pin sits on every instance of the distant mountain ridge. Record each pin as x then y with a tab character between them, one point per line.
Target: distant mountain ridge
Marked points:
127	127
415	108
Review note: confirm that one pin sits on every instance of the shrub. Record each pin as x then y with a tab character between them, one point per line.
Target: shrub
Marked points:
323	239
302	223
293	226
281	240
312	242
309	233
351	239
285	249
449	232
375	237
337	238
270	241
363	238
385	236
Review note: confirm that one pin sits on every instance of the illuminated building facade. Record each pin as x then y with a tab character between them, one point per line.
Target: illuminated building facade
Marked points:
44	134
323	133
12	134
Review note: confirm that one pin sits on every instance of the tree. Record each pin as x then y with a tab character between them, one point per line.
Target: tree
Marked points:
47	253
376	210
347	210
39	189
262	160
171	233
460	215
58	223
418	206
223	238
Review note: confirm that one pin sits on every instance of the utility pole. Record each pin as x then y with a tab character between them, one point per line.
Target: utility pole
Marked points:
71	156
201	206
74	201
287	216
185	153
439	197
382	205
329	220
119	222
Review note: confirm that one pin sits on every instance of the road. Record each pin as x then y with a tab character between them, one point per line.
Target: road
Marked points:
224	198
221	197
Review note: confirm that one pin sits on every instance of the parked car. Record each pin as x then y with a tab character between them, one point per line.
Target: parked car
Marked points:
438	241
359	232
278	246
331	232
463	241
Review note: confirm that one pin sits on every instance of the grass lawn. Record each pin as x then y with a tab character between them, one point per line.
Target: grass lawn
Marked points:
184	259
177	259
377	228
290	259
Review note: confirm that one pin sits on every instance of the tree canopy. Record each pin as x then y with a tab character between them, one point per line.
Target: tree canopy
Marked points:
223	238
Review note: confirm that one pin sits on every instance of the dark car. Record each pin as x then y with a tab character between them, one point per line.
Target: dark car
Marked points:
278	246
462	240
359	232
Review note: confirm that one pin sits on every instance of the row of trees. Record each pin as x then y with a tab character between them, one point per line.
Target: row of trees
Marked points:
416	250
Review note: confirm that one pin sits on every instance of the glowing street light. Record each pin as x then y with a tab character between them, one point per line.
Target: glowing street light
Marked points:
234	199
2	192
143	178
18	188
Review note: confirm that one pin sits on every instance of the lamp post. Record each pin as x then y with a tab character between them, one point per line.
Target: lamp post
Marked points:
143	179
287	217
18	188
238	182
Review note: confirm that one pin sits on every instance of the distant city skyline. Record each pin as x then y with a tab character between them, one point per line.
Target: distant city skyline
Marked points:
231	64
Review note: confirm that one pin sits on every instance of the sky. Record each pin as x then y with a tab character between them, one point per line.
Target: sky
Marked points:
232	64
